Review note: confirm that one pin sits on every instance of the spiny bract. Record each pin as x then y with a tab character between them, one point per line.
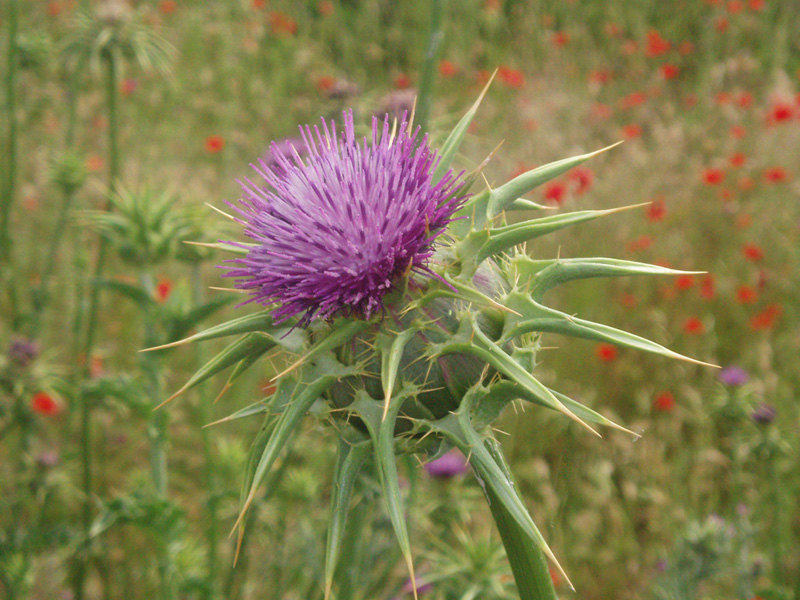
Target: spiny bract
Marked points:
409	312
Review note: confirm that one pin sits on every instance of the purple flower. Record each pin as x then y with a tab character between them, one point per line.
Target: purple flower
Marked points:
22	351
335	232
283	148
448	465
733	376
764	414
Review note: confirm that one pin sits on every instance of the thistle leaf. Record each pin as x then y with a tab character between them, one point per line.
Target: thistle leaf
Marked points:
453	142
391	354
260	321
350	460
256	408
257	343
501	197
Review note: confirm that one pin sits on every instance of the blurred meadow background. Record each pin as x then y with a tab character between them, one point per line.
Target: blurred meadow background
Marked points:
121	120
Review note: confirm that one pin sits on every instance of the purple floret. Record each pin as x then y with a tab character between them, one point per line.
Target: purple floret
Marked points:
764	414
733	376
448	465
334	232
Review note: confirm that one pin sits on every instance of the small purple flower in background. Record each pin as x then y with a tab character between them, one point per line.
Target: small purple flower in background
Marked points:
397	103
284	149
764	414
48	458
335	232
22	351
733	376
448	465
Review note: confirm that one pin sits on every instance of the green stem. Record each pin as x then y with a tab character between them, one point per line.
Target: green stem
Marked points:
428	76
11	152
212	496
91	326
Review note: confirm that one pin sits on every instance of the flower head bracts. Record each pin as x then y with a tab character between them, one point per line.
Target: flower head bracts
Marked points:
335	232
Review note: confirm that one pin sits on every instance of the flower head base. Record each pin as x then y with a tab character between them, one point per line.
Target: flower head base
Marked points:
334	233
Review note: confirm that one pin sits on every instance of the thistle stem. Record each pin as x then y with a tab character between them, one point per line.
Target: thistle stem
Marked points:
91	325
428	76
206	416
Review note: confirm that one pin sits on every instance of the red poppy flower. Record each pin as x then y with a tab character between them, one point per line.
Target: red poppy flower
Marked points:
282	24
94	163
685	48
721	24
775	174
583	178
735	6
560	38
744	221
447	69
656	210
600	76
554	192
656	45
601	111
713	176
746	184
54	9
167	7
693	326
325	8
669	71
633	100
214	144
746	295
722	98
606	352
402	81
780	112
325	83
737	159
690	101
744	100
163	290
756	5
684	282
766	318
664	402
752	252
708	287
613	30
640	243
258	4
513	78
628	300
631	130
738	131
44	404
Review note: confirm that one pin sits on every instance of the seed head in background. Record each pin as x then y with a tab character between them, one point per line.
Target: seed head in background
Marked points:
411	315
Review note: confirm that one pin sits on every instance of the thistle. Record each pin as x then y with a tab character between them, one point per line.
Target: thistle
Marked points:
409	313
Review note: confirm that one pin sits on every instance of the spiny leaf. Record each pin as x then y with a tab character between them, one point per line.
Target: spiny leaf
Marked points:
391	355
260	321
256	408
502	239
453	142
350	459
257	343
504	195
538	318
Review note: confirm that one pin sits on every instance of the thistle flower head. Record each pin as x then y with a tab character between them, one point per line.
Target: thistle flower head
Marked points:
335	232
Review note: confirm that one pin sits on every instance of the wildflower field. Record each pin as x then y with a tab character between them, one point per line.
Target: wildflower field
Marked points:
387	274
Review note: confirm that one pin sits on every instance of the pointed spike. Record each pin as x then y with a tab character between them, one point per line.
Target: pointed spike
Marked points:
222	289
223	213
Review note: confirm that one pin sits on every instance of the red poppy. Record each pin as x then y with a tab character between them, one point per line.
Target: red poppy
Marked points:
780	112
684	282
640	243
690	101
686	48
735	6
163	290
737	159
713	176
708	287
258	4
656	210
560	38
94	163
44	404
756	5
128	86
325	83
752	252
325	8
744	221
167	7
513	78
54	9
745	100
613	30
630	47
722	98
600	76
282	24
402	81
746	184
721	24
693	326
775	174
746	295
631	130
447	69
656	45
605	352
669	71
96	367
214	144
601	111
738	131
766	318
554	192
633	100
628	300
664	402
583	177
